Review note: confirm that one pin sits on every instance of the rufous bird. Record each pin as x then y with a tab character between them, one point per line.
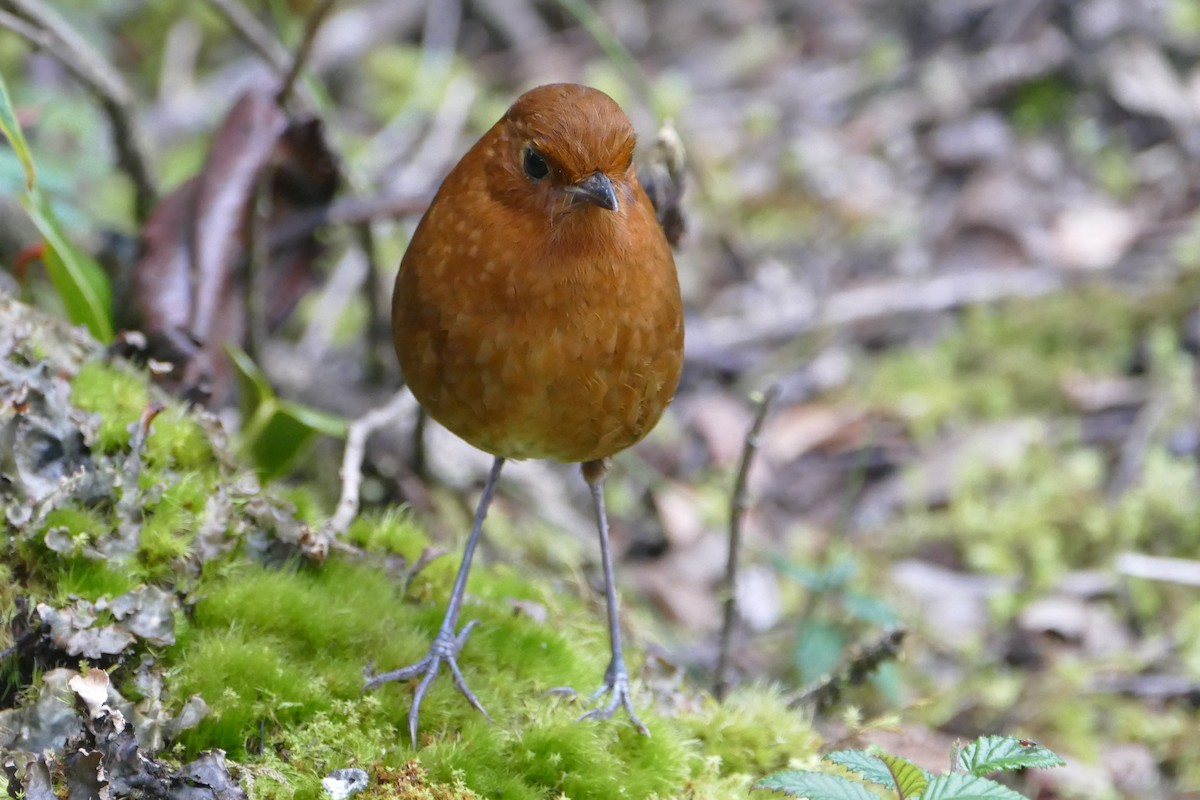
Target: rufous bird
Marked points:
537	314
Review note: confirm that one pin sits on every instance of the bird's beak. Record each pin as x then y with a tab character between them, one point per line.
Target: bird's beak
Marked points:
597	189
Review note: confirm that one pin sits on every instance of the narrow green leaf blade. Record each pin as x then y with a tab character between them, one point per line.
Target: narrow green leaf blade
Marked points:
11	128
815	786
81	283
320	421
279	442
992	753
254	388
957	786
910	779
864	764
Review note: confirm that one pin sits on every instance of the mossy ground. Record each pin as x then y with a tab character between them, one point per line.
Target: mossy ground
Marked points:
279	654
278	651
1052	512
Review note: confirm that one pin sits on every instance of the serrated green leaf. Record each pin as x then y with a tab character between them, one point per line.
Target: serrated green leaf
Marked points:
992	753
864	764
910	780
815	786
84	288
11	128
957	786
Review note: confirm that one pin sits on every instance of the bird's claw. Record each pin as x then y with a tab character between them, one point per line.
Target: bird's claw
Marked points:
445	649
616	686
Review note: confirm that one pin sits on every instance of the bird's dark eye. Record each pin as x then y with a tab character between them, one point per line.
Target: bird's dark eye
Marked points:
535	164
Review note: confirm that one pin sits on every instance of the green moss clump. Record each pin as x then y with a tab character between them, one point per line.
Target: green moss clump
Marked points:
82	525
279	655
177	441
83	577
392	532
116	395
278	652
170	521
753	732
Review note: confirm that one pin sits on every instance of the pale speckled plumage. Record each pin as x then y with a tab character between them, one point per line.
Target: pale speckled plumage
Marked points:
565	341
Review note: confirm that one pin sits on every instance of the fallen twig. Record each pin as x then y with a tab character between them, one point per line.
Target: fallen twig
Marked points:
255	34
311	26
356	439
737	509
1159	568
854	671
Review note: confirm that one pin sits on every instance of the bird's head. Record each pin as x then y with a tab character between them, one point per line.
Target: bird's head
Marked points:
563	149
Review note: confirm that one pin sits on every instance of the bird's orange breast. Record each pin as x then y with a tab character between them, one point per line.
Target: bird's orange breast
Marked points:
534	336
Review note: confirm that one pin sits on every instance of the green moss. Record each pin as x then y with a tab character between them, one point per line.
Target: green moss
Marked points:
170	521
306	502
1041	104
164	538
177	441
753	732
116	395
81	577
82	525
279	654
390	532
178	474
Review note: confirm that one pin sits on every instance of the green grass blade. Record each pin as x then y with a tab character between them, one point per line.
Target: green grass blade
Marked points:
11	128
85	289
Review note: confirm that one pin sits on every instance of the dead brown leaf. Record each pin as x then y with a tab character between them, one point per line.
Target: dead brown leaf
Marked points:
190	285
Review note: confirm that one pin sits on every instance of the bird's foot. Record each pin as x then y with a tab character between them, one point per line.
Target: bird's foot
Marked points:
616	686
445	648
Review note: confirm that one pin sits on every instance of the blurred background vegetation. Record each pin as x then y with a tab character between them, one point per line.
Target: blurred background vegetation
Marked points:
959	237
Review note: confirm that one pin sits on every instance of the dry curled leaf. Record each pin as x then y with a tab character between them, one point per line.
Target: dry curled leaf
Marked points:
190	284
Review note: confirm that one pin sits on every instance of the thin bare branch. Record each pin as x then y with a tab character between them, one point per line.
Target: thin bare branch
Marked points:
374	288
356	441
254	33
311	26
737	509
